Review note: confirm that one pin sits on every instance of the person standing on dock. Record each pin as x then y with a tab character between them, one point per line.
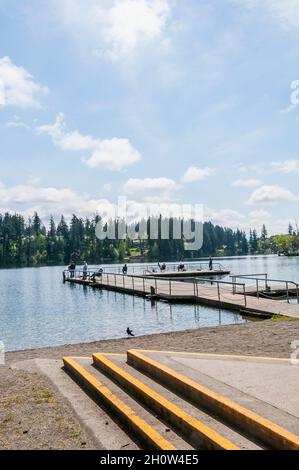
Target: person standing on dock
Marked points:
72	269
210	264
85	269
125	270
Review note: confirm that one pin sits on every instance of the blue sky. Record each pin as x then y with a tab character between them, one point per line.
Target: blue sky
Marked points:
159	100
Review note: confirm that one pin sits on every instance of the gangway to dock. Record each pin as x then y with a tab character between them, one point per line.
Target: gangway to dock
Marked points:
262	286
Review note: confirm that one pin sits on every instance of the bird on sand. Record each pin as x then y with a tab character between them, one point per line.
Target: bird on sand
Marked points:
130	332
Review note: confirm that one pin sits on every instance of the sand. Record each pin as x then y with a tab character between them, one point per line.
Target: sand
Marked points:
267	338
34	416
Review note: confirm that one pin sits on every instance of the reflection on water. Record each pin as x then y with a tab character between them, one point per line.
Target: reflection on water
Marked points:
37	310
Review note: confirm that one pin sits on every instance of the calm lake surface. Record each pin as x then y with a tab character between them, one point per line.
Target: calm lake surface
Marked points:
38	310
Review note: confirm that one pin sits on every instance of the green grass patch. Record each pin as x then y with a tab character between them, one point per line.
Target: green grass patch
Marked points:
279	317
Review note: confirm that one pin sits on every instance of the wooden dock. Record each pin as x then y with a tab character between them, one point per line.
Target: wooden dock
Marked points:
216	293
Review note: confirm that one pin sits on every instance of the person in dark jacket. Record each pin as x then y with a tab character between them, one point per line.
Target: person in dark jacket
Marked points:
72	269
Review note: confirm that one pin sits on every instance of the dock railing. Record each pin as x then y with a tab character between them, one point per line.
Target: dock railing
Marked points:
154	268
78	273
225	287
263	286
155	286
170	267
174	267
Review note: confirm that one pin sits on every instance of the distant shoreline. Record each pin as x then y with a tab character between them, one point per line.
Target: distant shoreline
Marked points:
143	261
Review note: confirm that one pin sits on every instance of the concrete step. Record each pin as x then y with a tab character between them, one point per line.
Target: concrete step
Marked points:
169	408
260	428
147	430
207	418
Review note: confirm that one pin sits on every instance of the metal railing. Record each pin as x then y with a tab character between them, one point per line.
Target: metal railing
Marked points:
264	289
154	286
154	267
232	284
78	273
176	267
170	267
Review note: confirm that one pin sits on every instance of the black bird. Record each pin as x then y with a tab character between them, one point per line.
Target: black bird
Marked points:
130	332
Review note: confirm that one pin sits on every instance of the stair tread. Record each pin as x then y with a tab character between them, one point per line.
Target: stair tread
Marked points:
205	417
243	398
163	429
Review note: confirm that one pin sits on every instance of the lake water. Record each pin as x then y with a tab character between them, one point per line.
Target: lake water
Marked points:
38	310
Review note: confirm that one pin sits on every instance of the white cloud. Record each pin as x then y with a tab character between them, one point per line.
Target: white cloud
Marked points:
266	194
67	140
147	184
114	154
26	199
17	87
165	199
287	166
225	217
115	28
194	174
246	183
28	194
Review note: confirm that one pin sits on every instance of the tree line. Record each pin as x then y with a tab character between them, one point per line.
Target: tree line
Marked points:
32	243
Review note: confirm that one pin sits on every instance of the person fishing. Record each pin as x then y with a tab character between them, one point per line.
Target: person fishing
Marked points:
98	273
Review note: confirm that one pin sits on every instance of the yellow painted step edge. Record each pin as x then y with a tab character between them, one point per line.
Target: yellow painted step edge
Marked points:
214	355
186	423
272	434
149	436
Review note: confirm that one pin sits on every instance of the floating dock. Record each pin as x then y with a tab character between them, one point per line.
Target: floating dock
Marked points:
197	273
216	293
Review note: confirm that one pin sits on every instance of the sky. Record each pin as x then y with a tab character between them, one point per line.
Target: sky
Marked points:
162	101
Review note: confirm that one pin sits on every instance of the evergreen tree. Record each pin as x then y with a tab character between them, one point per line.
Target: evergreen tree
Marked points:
28	243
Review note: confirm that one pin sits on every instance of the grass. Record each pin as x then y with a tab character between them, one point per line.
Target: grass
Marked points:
279	317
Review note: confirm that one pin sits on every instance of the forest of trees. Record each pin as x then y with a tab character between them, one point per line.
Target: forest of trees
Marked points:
31	243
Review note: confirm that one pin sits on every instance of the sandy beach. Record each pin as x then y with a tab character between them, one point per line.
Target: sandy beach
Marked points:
42	420
267	338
